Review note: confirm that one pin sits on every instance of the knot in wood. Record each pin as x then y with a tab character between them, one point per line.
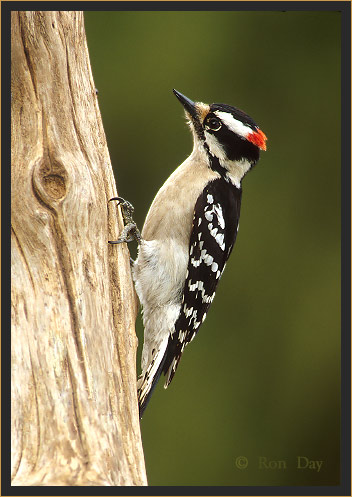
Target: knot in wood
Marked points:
55	186
50	180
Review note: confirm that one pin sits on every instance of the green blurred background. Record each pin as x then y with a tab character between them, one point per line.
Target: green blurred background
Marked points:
262	378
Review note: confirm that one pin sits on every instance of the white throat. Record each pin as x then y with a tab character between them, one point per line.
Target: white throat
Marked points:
198	148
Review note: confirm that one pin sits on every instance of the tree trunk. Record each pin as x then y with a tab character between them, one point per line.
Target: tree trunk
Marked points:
74	401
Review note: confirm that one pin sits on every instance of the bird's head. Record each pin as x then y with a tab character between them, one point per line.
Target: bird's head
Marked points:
229	136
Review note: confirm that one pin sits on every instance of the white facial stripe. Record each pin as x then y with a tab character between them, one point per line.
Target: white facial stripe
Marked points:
233	124
214	147
236	169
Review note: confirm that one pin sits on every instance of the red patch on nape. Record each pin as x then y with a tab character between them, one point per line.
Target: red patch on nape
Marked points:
257	138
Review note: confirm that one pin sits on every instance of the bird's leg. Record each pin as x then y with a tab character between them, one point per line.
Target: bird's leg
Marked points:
130	231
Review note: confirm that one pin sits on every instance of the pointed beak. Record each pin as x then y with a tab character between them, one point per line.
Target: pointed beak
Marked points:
188	104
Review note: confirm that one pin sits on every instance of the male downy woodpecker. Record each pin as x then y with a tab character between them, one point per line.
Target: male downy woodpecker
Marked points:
189	233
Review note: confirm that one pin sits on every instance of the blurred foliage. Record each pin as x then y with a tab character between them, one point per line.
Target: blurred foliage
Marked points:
262	378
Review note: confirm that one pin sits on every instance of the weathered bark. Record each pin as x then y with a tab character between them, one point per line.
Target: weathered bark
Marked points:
74	403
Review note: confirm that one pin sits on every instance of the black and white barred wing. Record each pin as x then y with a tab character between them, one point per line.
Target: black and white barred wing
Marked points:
214	231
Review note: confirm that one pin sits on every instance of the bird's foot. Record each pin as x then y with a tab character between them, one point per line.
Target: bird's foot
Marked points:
130	231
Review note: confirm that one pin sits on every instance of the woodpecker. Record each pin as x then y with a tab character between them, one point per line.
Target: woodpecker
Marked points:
188	235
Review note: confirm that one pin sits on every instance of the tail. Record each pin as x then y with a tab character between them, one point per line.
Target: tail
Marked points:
165	361
174	352
148	380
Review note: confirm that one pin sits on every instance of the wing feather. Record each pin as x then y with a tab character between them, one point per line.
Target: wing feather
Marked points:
214	230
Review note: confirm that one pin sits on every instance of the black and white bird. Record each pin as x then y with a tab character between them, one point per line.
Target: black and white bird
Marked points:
189	233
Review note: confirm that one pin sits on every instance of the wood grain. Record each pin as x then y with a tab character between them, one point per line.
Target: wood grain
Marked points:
74	403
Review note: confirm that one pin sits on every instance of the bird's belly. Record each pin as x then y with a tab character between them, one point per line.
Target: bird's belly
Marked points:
160	272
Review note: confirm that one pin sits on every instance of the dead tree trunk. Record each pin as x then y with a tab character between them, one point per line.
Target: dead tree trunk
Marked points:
74	403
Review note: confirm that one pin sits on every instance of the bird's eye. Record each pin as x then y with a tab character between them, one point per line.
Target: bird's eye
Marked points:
213	123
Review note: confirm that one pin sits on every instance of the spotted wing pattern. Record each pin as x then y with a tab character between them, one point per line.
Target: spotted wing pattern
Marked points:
214	230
